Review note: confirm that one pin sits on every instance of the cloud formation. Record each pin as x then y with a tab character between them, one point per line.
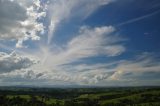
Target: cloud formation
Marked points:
11	62
138	18
96	41
63	11
142	70
19	20
51	64
138	68
89	42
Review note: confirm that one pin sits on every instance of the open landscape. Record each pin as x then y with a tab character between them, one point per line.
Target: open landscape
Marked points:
79	52
122	96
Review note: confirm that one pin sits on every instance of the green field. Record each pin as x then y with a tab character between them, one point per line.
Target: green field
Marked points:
131	96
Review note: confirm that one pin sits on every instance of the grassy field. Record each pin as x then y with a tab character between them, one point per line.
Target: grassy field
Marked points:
137	96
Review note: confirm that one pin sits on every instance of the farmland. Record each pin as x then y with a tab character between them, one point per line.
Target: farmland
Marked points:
122	96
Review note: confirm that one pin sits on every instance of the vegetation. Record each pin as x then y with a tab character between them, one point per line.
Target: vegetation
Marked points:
137	96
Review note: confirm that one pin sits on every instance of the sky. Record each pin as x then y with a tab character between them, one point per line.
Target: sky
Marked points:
52	43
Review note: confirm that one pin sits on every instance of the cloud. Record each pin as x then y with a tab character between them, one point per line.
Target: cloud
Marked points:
90	42
11	62
19	20
95	41
139	18
63	10
21	77
140	69
87	43
143	69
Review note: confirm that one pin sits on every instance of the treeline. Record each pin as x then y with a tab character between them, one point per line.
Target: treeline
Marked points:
58	93
67	93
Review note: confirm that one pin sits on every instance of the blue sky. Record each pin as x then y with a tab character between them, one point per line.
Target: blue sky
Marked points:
79	42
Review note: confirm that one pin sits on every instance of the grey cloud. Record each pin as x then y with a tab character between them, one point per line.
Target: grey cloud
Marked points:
18	20
10	15
12	11
11	62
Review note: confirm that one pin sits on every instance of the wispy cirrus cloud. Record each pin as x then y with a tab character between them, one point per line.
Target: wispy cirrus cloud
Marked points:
138	18
143	68
89	42
52	64
64	11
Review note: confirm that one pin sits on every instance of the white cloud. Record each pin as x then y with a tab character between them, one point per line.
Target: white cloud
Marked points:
11	62
137	69
88	43
142	70
139	18
121	73
18	20
95	41
64	10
